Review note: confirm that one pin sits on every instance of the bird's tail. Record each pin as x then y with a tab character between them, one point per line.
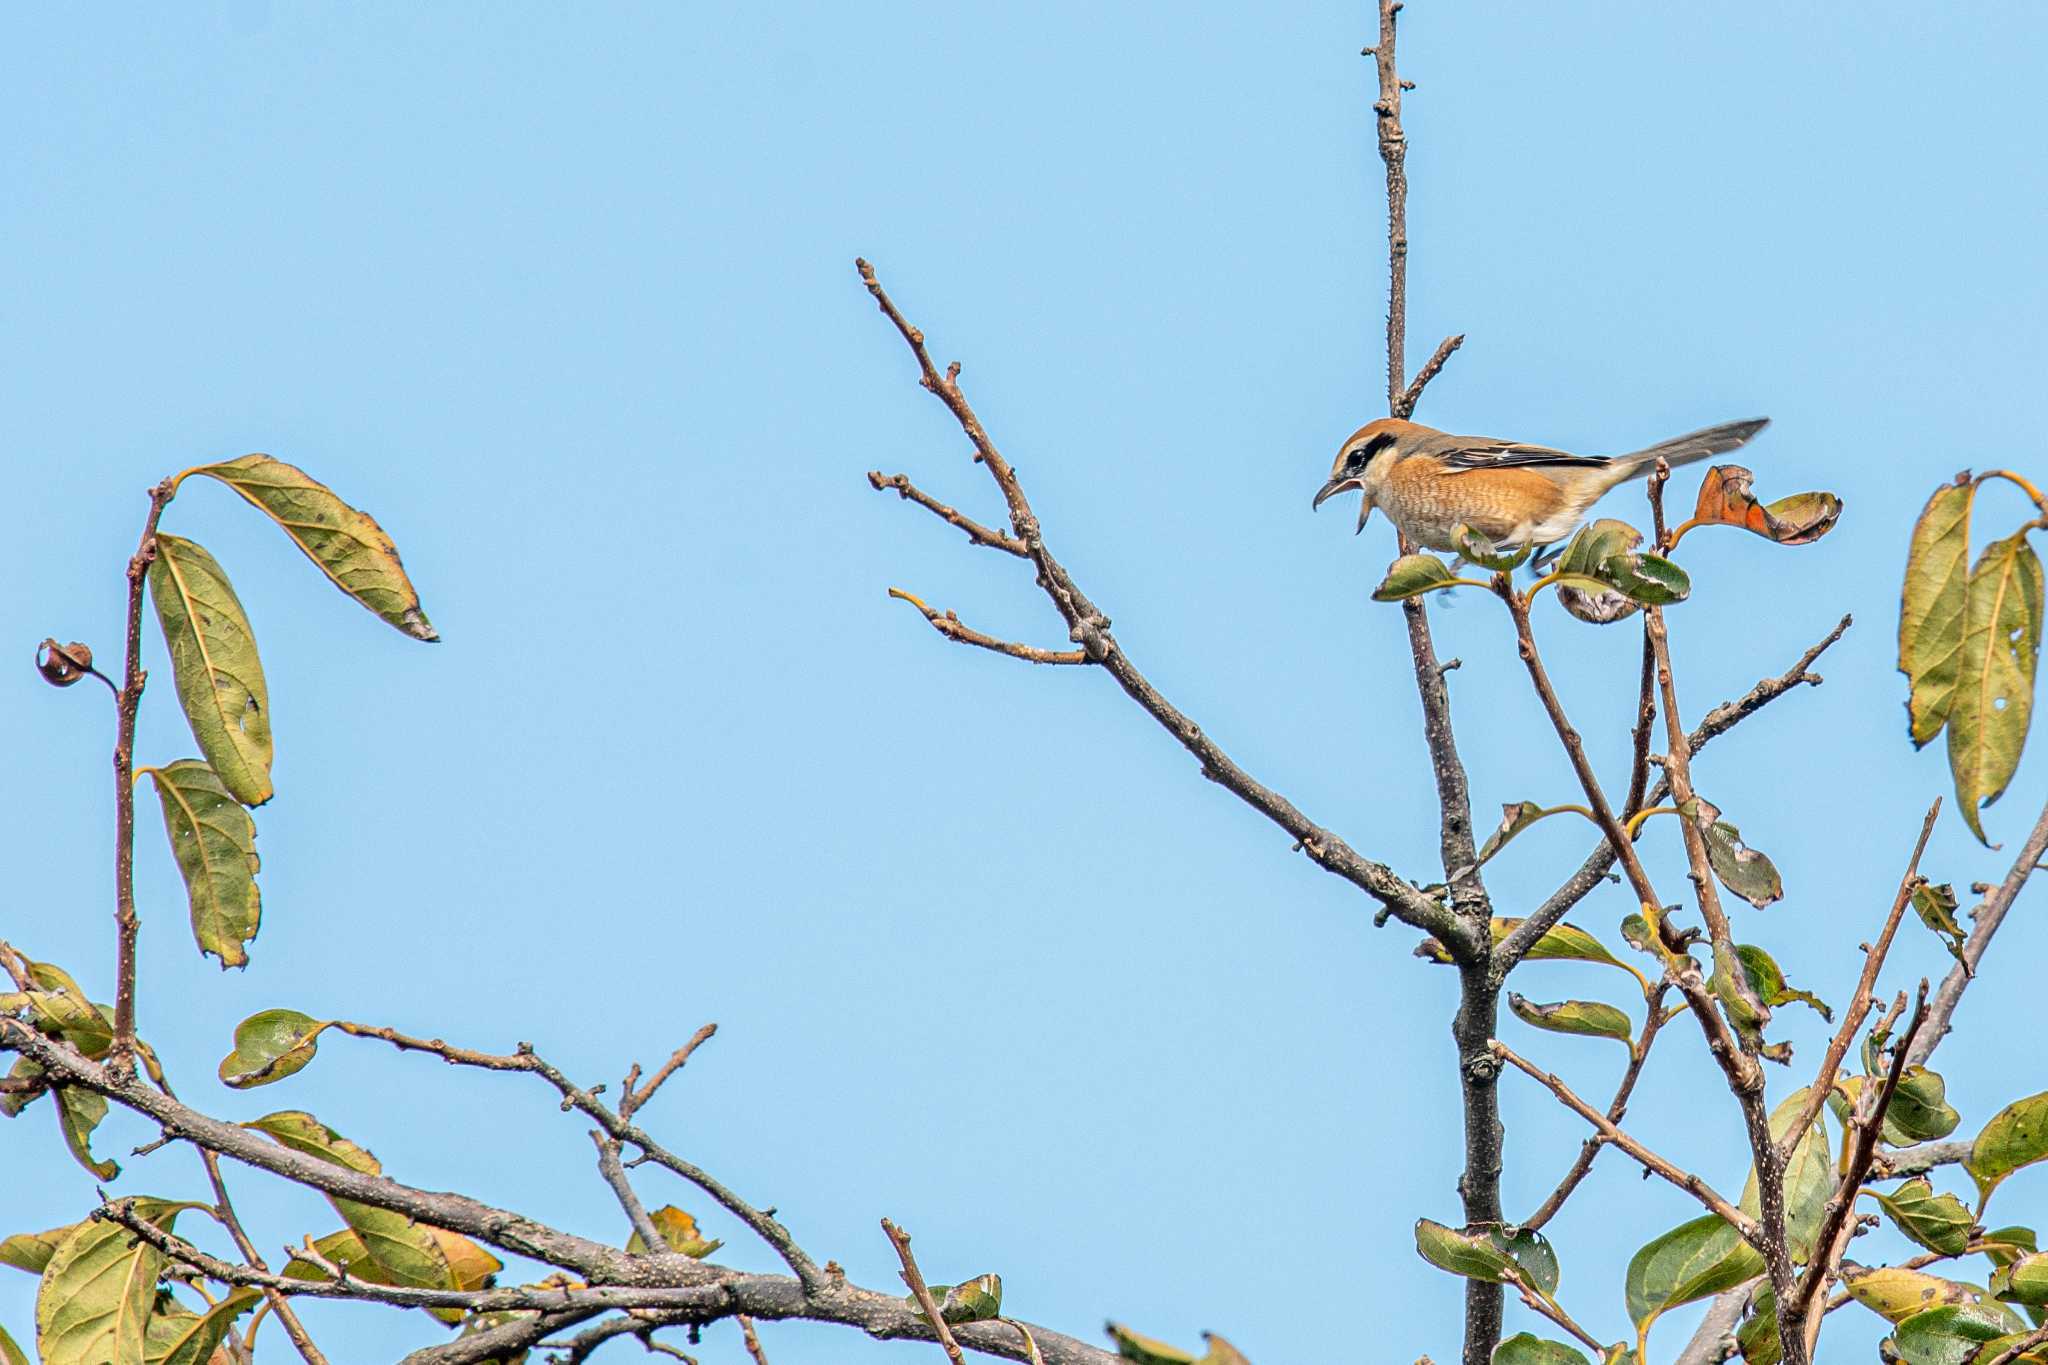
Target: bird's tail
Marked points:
1698	445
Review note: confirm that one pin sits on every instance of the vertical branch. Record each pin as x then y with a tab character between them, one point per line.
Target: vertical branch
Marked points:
122	1056
1478	1015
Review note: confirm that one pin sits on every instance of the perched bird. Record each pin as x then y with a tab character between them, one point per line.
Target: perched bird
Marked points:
1429	482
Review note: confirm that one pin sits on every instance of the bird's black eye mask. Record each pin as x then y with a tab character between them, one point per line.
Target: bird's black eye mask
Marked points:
1361	456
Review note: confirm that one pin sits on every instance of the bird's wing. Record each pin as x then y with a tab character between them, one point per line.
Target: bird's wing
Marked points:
1463	454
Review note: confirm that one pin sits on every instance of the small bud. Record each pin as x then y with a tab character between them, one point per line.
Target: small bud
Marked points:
63	665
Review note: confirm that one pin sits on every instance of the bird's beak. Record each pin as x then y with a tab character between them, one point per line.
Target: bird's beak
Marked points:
1336	485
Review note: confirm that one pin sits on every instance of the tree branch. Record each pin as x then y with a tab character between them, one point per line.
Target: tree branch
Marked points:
1984	924
921	1292
950	626
1617	1109
976	532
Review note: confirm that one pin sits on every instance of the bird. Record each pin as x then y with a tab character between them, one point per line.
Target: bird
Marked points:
1429	482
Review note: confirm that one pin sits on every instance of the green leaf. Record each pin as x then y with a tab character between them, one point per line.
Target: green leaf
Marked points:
1932	608
1744	871
1767	981
1919	1111
1938	1222
1526	1349
1514	818
1475	548
214	842
679	1230
1220	1352
2024	1281
1411	576
1145	1350
1531	1251
1561	941
408	1252
1473	1255
1949	1335
270	1046
467	1266
1649	579
1936	907
1997	1347
1692	1261
1589	1018
94	1302
2003	1246
975	1300
1809	1176
12	1102
1994	693
2016	1136
214	663
78	1113
70	1017
1756	1340
31	1251
1596	543
179	1337
347	545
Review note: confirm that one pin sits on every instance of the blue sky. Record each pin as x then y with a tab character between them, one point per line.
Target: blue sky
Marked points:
566	298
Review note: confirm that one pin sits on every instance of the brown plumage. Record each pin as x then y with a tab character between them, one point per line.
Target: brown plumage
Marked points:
1430	482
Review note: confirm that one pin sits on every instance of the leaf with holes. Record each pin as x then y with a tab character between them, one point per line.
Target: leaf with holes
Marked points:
214	664
1936	907
347	545
1411	576
1588	1018
214	842
1932	607
1938	1222
1652	580
1994	694
269	1046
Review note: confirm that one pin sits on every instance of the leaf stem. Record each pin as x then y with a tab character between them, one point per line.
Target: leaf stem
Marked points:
1635	822
2040	501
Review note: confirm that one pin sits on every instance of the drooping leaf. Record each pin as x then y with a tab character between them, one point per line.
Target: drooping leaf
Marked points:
1526	1349
214	842
408	1252
1936	907
1725	500
1932	608
2016	1136
97	1291
12	1102
1145	1350
679	1230
269	1046
2024	1281
1896	1293
214	664
1744	871
1767	981
1692	1261
1649	579
1475	548
1938	1222
1514	818
347	545
78	1113
1589	1018
1473	1255
1948	1335
1808	1179
1994	694
178	1337
1411	576
31	1251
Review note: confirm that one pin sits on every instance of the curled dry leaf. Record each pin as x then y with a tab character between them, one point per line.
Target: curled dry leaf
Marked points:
1725	500
62	665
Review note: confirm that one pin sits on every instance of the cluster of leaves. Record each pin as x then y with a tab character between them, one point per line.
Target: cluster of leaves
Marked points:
1969	641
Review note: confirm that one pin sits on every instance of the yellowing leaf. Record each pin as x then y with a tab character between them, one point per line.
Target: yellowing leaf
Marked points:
1896	1294
214	842
1931	608
177	1337
94	1303
679	1230
408	1252
269	1046
1994	693
1145	1350
1514	818
2016	1136
78	1113
347	545
31	1251
214	664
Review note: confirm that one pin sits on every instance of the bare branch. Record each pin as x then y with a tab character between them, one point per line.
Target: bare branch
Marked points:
950	626
1649	1160
1430	369
615	1176
1984	924
976	532
630	1099
922	1292
753	1342
1617	1109
1088	627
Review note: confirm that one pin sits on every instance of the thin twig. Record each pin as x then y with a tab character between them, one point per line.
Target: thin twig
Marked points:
922	1292
1685	1180
752	1340
1985	922
1617	1109
630	1099
950	626
976	532
1431	367
636	1212
121	1056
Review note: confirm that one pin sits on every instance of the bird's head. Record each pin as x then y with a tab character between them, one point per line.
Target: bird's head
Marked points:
1382	441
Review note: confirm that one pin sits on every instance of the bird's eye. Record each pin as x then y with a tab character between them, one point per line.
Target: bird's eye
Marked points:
1356	459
